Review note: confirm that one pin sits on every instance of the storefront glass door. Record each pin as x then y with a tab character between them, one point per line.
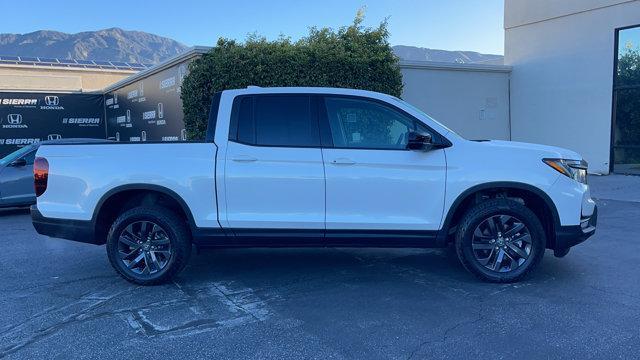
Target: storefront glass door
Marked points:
626	103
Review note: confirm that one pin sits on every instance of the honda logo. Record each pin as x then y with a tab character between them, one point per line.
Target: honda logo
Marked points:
54	137
14	119
52	100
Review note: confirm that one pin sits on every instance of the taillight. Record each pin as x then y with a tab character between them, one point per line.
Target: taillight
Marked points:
40	175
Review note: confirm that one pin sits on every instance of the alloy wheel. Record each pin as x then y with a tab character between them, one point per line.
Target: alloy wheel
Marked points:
501	243
144	248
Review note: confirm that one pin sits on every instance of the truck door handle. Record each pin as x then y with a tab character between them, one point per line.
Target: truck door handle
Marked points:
243	158
343	161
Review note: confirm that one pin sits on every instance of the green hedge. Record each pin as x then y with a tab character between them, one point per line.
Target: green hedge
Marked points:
351	57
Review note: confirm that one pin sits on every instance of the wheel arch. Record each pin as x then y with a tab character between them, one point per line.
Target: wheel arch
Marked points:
548	215
135	194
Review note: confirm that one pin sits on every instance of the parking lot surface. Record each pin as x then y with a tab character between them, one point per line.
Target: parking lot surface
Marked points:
61	299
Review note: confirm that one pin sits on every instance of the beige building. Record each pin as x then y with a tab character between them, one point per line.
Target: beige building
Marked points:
25	77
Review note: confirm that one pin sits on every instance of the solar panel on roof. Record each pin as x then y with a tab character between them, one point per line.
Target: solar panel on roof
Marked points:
87	64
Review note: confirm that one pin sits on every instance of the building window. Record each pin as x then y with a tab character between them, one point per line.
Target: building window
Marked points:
626	102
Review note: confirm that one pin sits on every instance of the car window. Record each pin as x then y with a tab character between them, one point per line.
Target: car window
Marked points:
17	154
277	120
365	124
423	114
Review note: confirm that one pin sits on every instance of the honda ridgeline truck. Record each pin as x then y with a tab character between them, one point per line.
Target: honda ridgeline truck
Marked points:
321	167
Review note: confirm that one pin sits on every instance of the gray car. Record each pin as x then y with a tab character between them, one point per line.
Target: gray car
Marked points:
16	173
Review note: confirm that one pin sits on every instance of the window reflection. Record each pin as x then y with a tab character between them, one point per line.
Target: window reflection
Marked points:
626	130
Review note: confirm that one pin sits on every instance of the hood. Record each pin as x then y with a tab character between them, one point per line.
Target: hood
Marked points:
543	150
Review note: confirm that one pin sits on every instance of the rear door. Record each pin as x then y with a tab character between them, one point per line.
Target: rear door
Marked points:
274	176
375	186
16	183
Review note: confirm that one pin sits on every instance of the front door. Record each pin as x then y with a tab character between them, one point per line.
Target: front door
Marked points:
374	184
274	176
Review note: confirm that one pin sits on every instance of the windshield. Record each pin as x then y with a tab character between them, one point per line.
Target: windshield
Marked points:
423	113
16	155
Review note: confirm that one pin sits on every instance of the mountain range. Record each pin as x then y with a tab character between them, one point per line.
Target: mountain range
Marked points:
413	53
116	44
106	45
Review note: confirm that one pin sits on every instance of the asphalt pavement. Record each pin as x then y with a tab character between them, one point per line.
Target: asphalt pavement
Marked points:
60	299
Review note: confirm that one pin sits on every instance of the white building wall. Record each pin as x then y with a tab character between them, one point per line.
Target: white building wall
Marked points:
472	100
562	54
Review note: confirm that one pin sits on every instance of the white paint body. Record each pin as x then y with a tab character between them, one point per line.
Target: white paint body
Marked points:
231	185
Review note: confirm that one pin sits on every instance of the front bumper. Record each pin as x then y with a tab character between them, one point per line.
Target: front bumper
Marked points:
568	236
75	230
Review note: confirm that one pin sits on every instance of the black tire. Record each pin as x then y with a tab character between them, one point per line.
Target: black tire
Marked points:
172	226
485	210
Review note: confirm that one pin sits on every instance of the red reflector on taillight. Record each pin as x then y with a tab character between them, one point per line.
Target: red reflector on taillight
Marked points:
40	175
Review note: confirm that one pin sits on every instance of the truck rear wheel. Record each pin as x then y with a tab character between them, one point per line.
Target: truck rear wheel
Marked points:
500	240
148	245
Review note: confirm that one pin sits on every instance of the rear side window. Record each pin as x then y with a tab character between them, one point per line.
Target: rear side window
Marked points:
213	117
276	120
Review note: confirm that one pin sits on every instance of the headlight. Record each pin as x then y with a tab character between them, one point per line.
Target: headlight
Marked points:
575	169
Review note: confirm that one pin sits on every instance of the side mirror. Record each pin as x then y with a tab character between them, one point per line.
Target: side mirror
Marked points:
19	163
419	141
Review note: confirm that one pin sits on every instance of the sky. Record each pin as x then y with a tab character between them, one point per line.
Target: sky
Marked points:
629	40
475	25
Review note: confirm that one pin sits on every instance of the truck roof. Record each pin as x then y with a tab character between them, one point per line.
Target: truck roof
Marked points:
307	90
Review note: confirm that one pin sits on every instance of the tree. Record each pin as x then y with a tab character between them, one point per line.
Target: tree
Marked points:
350	57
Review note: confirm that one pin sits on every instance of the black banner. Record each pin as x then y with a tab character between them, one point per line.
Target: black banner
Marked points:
26	118
149	109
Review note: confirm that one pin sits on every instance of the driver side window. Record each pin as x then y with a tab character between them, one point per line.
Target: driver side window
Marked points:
364	124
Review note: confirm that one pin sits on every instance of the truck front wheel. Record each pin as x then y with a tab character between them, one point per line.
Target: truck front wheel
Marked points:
148	245
500	240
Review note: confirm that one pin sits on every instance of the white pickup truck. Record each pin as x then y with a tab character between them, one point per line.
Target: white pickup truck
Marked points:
315	167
